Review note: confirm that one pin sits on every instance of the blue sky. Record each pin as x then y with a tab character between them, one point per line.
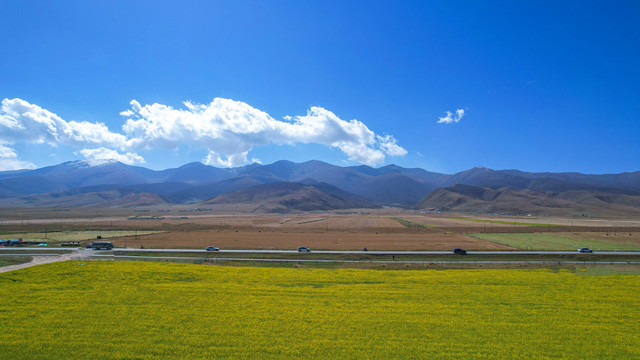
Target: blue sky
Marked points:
538	86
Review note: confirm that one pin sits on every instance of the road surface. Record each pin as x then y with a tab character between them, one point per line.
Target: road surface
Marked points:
40	256
372	252
447	252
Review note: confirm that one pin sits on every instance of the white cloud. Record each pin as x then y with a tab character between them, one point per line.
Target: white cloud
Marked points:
228	129
98	155
9	160
389	146
214	158
451	118
22	121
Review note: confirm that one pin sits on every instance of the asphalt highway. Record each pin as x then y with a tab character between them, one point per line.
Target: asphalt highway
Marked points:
41	256
447	252
372	252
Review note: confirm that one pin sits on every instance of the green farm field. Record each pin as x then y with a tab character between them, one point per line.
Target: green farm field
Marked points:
549	241
508	222
14	261
138	310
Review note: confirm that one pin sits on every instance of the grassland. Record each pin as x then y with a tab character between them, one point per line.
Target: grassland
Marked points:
412	223
129	310
548	241
508	222
14	260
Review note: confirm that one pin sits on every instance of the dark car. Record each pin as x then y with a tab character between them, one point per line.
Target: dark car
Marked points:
212	248
585	250
304	249
459	251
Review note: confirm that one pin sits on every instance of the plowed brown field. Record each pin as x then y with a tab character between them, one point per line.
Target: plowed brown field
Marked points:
375	230
334	240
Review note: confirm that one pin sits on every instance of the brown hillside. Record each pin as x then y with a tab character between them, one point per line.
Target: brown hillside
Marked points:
287	196
465	198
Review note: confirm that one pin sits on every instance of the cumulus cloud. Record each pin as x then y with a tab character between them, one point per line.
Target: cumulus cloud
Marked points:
22	121
216	159
451	118
389	145
95	156
9	160
230	129
227	129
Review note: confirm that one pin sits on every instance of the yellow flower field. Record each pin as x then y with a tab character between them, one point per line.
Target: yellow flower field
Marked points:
134	310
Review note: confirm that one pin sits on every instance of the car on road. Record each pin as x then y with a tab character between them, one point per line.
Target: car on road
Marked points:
459	251
304	249
585	250
212	248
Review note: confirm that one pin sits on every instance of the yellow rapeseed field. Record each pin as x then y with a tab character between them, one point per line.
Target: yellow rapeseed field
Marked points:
134	310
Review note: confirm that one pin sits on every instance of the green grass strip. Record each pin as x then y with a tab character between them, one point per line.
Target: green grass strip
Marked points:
546	241
507	222
412	223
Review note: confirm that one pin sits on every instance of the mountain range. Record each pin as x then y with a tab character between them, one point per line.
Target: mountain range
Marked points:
314	185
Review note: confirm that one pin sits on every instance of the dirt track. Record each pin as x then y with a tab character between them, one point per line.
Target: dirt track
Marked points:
39	260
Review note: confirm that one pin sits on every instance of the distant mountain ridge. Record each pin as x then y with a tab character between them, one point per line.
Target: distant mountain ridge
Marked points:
287	196
73	182
467	198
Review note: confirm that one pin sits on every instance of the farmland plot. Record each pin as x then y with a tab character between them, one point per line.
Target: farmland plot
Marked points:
158	311
62	236
547	241
316	239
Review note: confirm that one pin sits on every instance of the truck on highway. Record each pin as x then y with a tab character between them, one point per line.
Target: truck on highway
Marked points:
101	245
11	242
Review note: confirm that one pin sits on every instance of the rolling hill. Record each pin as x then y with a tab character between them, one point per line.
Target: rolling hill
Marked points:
466	198
288	196
110	183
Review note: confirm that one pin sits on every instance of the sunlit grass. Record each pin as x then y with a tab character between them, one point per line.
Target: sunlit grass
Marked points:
131	310
547	241
14	261
413	224
507	222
